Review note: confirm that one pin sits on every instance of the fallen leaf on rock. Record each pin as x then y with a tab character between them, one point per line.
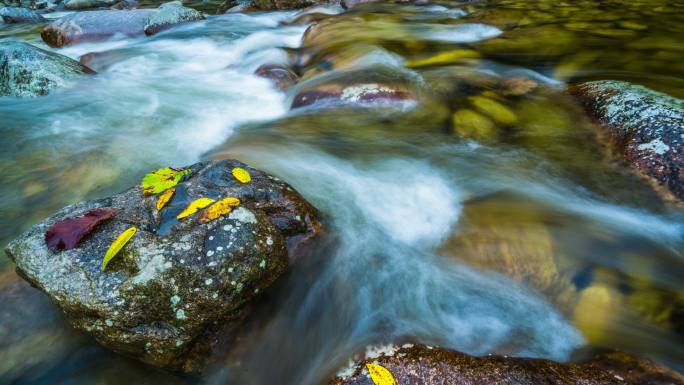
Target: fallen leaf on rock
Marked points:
380	375
195	206
117	245
165	198
67	233
241	175
161	180
222	207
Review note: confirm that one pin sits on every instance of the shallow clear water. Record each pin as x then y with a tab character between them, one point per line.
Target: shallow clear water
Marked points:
528	240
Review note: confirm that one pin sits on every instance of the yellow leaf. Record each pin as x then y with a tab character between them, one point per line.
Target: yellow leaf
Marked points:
117	245
222	207
242	175
380	375
443	58
162	179
195	206
165	198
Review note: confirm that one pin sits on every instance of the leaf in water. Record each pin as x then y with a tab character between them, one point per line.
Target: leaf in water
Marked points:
222	207
195	206
117	245
380	375
67	233
161	180
241	175
165	198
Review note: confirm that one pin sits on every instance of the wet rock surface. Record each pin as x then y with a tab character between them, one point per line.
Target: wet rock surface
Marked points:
169	15
424	365
646	126
28	71
95	25
270	5
176	281
88	4
20	15
282	76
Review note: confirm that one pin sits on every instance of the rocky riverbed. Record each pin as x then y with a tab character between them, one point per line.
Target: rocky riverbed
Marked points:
354	192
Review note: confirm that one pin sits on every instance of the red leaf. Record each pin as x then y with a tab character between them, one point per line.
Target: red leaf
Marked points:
67	233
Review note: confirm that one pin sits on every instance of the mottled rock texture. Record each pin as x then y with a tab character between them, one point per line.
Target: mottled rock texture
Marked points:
646	126
176	283
28	71
169	15
422	365
20	15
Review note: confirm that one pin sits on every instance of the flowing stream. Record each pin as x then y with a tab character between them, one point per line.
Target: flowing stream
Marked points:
533	242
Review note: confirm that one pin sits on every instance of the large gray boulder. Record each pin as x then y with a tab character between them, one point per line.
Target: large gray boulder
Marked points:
425	365
646	127
27	71
169	15
177	284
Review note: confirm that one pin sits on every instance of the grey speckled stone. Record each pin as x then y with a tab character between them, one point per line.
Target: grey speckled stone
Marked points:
647	127
169	15
425	365
174	282
20	15
27	71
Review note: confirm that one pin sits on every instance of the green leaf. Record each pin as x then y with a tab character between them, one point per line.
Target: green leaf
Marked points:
117	245
162	179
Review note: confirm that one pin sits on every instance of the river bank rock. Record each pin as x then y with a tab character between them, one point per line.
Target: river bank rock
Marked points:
645	126
76	5
169	15
424	365
177	281
28	71
20	15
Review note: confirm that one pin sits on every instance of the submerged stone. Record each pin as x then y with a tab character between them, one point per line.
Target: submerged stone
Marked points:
282	76
169	15
646	126
270	5
20	15
425	365
28	71
86	4
177	283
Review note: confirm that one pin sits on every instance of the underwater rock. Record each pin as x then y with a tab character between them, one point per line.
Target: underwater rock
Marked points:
646	126
169	15
282	76
176	282
28	71
20	15
95	26
425	365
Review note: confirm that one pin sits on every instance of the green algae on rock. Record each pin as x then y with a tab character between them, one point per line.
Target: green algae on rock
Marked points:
28	71
646	126
426	365
175	282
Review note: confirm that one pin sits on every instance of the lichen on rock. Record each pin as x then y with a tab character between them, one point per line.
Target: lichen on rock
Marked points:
174	280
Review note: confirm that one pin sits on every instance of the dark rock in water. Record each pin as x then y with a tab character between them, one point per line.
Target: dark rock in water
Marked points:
343	92
646	126
95	26
169	15
175	282
88	4
126	4
423	365
281	75
99	61
269	5
26	70
20	15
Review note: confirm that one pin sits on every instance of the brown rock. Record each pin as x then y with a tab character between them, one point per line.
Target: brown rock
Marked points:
423	365
282	76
